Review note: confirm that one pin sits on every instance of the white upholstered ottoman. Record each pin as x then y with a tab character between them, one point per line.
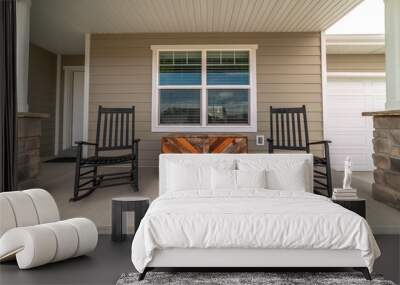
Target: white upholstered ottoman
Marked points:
31	230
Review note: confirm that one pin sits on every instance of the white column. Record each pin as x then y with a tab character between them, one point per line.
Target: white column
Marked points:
86	92
57	112
392	41
23	23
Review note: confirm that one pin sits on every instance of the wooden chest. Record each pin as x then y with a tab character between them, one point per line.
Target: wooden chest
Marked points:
204	144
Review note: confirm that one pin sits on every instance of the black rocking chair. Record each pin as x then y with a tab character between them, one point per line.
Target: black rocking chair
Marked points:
115	132
287	133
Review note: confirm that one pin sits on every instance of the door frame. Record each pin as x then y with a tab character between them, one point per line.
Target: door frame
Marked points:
67	104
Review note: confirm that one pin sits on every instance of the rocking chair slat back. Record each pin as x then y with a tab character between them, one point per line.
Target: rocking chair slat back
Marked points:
288	128
115	128
126	128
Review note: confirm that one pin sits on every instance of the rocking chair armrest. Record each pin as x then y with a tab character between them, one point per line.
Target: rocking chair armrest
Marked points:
136	146
270	145
326	147
321	142
85	143
81	144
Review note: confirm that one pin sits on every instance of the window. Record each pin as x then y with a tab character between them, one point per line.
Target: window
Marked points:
180	68
180	106
228	106
204	88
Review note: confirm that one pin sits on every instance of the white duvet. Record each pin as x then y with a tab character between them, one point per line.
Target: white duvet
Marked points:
250	219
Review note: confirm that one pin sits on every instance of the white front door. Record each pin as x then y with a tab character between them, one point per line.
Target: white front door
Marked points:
77	106
73	106
348	95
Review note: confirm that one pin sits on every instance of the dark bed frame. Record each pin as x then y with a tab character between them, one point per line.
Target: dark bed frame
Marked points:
363	270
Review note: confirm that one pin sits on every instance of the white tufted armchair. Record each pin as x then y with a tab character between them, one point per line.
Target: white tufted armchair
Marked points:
31	230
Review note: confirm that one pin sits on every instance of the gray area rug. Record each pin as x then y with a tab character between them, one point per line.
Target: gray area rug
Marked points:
269	278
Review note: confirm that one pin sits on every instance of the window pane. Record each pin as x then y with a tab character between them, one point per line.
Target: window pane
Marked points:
242	57
213	57
227	67
179	106
228	57
180	68
228	106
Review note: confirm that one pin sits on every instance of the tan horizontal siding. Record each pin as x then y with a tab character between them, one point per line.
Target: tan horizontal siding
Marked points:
145	127
276	97
268	39
261	78
288	75
356	62
261	88
265	59
262	115
42	93
266	50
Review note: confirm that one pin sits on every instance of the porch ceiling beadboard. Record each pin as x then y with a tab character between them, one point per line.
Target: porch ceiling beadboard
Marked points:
59	25
288	74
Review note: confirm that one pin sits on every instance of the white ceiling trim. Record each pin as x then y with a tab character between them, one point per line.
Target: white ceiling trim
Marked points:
356	74
355	44
60	25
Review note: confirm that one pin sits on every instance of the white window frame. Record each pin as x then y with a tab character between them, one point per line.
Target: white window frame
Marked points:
203	127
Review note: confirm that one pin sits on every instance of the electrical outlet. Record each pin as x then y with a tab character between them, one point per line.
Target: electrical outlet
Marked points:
260	140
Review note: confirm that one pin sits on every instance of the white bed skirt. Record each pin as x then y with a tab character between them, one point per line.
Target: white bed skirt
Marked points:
178	257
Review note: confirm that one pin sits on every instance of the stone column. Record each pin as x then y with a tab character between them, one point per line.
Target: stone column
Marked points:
386	157
29	127
23	24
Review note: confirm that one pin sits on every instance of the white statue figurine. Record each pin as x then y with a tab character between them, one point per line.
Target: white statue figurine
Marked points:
347	173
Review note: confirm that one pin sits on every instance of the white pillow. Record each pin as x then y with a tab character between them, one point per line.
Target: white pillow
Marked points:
251	178
281	174
223	179
182	177
288	175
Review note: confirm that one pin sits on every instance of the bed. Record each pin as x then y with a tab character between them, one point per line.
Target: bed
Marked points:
246	211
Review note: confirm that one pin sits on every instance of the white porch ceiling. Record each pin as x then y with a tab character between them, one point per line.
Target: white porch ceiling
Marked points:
60	25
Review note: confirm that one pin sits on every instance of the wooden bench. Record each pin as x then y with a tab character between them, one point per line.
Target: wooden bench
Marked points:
204	144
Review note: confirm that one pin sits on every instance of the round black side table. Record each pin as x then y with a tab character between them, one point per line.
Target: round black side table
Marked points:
139	205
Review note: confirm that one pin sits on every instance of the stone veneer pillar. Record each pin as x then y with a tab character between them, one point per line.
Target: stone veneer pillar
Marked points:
386	157
29	128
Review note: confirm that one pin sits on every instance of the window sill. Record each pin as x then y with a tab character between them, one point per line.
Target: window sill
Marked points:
201	129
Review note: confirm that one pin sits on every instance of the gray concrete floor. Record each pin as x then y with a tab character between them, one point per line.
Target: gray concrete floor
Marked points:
103	266
110	259
382	218
58	179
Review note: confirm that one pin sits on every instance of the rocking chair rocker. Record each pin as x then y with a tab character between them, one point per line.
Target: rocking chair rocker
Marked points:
286	133
115	132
